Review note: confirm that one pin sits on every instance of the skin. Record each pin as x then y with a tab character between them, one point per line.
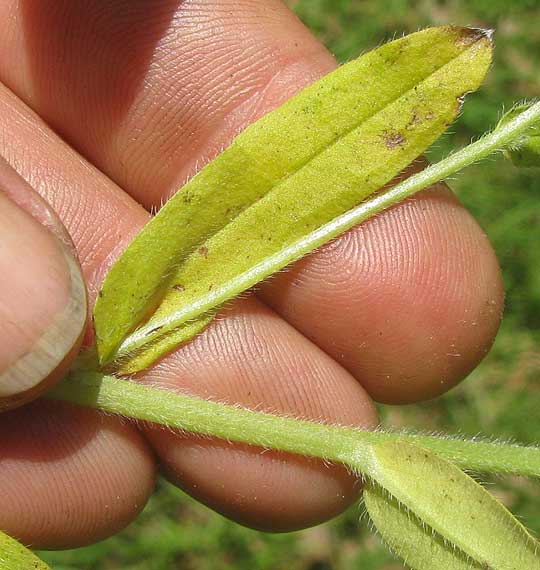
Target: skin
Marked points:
141	96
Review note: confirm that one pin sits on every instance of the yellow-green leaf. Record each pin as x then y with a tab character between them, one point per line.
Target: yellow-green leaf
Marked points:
453	505
419	546
14	556
298	167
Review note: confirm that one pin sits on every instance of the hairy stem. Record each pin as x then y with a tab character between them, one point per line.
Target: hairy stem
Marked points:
348	446
351	447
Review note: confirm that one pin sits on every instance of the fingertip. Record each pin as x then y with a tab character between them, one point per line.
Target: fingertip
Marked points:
70	476
43	308
409	302
265	490
440	301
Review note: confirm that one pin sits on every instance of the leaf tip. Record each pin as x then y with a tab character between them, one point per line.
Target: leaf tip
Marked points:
469	36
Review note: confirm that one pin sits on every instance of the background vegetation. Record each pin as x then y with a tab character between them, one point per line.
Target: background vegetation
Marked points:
501	397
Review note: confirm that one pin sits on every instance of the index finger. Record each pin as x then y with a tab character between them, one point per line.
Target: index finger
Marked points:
152	92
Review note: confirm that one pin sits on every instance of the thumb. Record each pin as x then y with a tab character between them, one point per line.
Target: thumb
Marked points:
42	294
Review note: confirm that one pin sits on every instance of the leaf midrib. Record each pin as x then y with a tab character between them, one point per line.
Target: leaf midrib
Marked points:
279	182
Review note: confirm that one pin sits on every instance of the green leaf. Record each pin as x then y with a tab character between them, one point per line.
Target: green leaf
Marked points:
14	556
451	504
409	538
525	152
297	168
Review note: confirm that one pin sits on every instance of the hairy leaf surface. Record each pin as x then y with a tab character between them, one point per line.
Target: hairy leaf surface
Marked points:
454	506
14	556
317	156
413	541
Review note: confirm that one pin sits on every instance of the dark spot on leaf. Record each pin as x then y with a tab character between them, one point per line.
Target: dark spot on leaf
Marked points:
211	287
393	140
469	36
179	287
100	294
415	119
203	251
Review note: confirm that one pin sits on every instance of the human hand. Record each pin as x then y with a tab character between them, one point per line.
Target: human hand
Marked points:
399	309
43	308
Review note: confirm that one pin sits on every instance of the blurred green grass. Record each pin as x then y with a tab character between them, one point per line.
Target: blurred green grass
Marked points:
501	397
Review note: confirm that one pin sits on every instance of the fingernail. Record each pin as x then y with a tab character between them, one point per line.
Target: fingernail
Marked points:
42	294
